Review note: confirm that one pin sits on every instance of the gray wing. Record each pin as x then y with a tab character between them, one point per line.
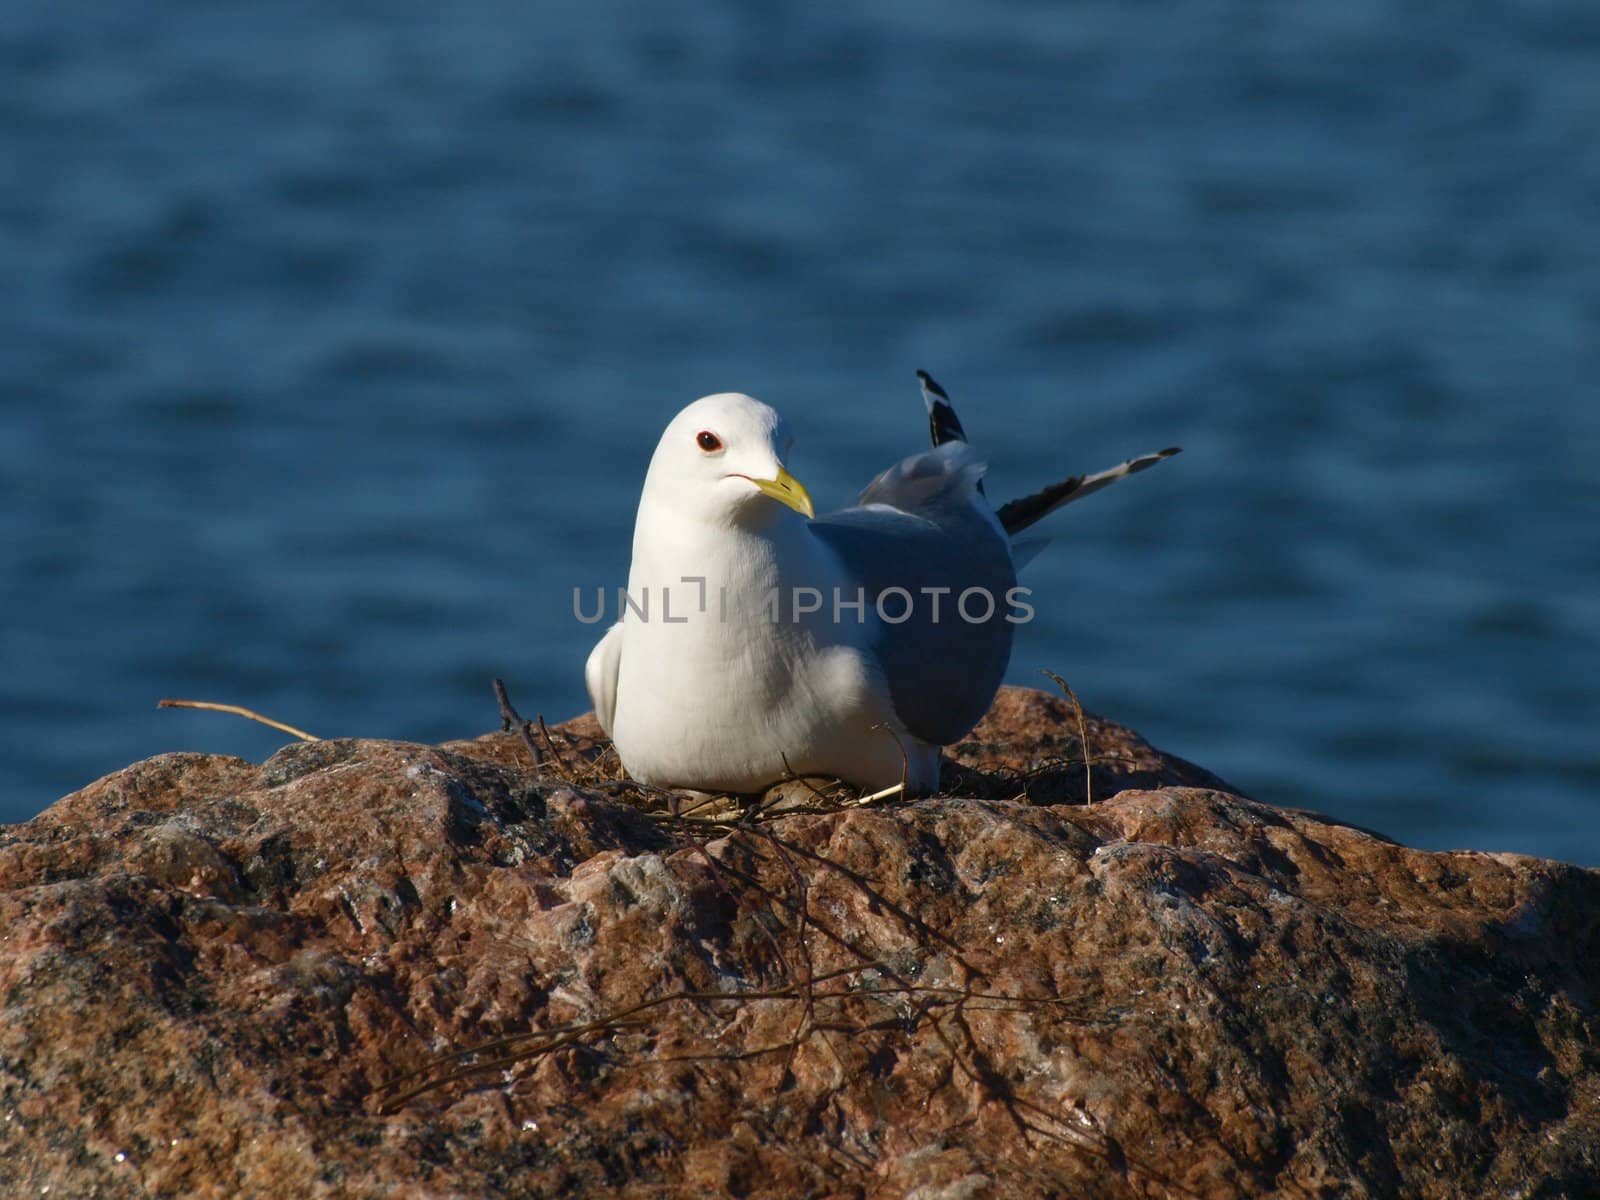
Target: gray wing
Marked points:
919	526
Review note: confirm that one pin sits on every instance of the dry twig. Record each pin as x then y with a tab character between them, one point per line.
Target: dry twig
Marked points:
510	717
236	710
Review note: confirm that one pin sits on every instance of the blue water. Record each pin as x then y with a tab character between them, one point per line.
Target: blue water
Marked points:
334	341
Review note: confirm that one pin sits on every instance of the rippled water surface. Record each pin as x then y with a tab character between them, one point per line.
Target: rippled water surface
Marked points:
334	341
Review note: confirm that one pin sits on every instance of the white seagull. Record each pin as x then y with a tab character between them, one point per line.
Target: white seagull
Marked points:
759	641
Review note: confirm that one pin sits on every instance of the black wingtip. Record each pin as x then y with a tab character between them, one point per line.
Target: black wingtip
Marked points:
1145	461
943	424
932	385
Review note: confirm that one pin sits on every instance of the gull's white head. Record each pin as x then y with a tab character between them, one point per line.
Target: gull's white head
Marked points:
722	460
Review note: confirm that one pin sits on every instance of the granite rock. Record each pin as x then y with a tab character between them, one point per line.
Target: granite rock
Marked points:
369	968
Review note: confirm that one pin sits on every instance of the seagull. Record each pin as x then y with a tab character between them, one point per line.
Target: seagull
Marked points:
759	642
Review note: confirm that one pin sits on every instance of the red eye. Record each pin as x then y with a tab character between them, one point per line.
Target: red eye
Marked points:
708	441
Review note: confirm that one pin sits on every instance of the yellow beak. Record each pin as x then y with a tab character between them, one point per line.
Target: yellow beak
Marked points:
787	490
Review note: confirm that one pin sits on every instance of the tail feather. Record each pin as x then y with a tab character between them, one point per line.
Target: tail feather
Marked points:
1017	515
943	424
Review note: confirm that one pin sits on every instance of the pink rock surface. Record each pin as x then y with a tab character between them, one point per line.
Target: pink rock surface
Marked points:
220	979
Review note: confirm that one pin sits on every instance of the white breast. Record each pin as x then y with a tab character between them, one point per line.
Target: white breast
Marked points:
711	693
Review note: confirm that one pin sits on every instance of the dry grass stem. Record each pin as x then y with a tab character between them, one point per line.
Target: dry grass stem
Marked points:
898	789
236	710
1083	735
